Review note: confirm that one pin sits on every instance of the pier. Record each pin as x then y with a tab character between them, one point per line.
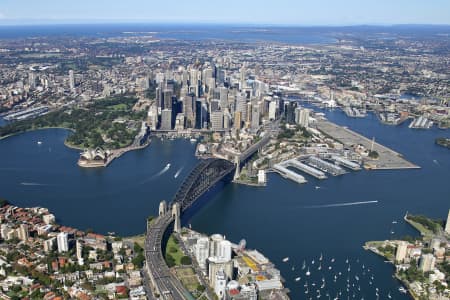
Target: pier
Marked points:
325	166
346	163
286	173
305	168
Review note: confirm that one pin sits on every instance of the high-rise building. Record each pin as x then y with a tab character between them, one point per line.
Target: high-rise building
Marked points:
217	120
427	262
402	251
272	110
255	117
24	233
189	110
166	119
79	252
223	96
49	244
71	80
237	120
224	250
32	80
447	225
63	242
202	251
241	106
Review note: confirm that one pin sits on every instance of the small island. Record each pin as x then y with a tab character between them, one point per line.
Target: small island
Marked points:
421	263
444	142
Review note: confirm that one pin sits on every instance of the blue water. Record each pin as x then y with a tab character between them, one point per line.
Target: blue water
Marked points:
293	35
279	219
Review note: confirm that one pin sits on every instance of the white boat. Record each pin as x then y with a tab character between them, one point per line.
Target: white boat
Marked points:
308	272
304	265
332	260
402	290
320	267
39	142
394	222
312	261
321	257
193	140
298	279
286	259
389	295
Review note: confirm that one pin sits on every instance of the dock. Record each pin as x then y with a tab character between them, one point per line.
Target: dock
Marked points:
333	169
294	163
388	159
346	163
286	173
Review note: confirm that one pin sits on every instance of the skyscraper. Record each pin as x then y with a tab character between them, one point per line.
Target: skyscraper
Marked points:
166	119
189	110
71	80
63	242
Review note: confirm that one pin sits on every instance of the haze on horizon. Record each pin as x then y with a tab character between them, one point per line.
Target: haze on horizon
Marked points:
280	12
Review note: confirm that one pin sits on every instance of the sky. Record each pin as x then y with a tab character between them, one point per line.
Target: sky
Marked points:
266	12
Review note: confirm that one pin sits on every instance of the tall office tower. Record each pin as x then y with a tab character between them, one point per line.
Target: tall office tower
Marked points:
447	224
71	80
202	251
427	262
214	105
220	76
199	115
167	99
272	110
207	74
249	114
223	96
289	113
217	120
63	242
179	121
166	119
79	252
255	117
220	284
152	117
177	217
237	120
24	233
242	76
304	118
32	80
189	110
159	98
401	252
226	119
241	106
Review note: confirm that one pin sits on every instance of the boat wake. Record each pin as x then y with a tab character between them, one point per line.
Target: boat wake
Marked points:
33	184
164	170
342	204
178	172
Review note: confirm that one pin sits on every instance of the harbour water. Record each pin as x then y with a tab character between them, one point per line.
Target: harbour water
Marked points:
283	219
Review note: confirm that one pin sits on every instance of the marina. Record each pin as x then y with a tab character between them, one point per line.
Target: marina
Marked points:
421	123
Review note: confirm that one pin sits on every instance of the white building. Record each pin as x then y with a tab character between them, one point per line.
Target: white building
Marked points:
63	242
217	120
224	250
166	119
79	248
272	110
201	251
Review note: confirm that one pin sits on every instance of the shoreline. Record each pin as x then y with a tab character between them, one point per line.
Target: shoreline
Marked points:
116	152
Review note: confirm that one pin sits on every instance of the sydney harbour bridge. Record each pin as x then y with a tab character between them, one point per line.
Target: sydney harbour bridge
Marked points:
206	174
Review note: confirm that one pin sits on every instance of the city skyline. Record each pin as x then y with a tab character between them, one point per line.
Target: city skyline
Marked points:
284	12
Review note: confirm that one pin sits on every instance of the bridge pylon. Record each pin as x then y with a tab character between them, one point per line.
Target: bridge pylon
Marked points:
176	217
162	208
237	172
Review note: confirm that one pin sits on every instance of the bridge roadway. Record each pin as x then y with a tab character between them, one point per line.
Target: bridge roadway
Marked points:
204	176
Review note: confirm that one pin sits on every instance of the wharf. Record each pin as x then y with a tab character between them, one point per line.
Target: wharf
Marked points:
388	159
286	173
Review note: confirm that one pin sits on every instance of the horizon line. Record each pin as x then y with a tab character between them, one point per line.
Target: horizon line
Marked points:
13	22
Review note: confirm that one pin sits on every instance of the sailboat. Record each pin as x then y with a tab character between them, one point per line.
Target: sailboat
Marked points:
320	267
321	257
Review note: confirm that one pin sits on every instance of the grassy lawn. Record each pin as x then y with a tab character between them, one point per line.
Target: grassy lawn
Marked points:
173	250
138	239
